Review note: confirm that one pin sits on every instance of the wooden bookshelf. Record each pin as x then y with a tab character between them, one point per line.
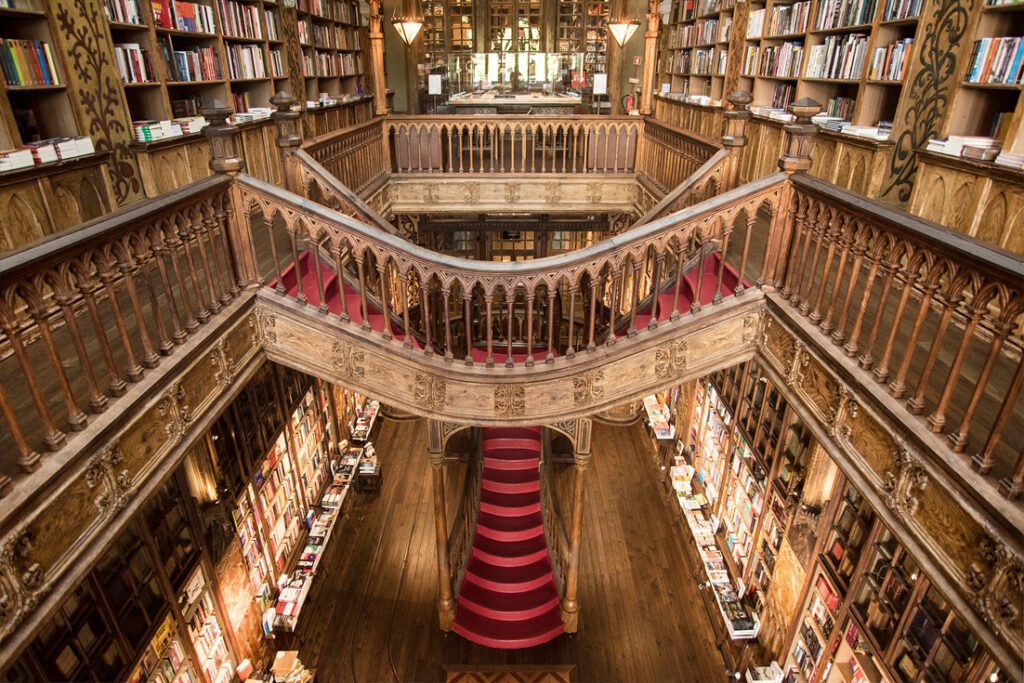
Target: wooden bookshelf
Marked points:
332	44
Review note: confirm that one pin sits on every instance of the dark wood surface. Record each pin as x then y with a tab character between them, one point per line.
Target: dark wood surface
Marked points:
373	615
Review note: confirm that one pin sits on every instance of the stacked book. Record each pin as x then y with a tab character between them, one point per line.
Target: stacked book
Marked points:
832	123
997	60
968	146
151	131
253	114
840	57
133	63
840	13
880	132
1010	160
27	62
15	159
123	11
889	63
45	152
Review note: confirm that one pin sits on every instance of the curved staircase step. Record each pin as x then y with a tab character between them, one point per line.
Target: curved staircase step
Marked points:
510	481
508	606
508	579
526	445
509	528
509	634
511	460
510	553
509	504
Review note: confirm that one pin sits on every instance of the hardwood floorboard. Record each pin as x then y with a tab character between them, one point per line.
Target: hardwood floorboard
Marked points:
373	616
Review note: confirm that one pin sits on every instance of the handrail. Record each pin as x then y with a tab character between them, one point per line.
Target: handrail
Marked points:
351	155
704	183
683	152
319	185
460	538
554	526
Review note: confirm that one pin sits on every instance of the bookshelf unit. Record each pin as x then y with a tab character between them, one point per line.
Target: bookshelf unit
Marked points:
35	102
331	38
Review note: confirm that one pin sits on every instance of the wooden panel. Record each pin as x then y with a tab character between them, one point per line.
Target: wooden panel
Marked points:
517	193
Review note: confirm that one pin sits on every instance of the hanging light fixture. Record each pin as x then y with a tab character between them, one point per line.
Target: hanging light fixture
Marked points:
623	29
408	25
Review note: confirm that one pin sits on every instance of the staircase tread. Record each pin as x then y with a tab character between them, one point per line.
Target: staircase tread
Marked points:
508	575
510	524
511	549
510	500
509	634
526	446
511	603
510	476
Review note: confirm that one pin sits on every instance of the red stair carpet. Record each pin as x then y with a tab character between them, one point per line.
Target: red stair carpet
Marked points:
508	598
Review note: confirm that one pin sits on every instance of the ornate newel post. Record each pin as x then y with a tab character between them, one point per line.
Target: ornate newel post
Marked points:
734	139
380	86
445	598
648	85
796	158
570	602
289	137
227	158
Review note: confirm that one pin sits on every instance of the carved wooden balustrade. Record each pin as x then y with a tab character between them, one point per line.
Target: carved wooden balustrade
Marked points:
704	183
513	144
930	316
670	155
554	525
602	291
352	155
460	539
85	315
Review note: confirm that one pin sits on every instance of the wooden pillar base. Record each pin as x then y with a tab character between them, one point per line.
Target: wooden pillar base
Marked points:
445	614
571	615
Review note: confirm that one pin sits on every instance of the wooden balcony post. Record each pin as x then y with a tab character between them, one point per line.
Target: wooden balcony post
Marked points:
796	154
289	137
648	85
734	125
570	603
445	599
227	157
380	86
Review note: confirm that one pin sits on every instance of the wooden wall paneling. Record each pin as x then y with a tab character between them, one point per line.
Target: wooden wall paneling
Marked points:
23	215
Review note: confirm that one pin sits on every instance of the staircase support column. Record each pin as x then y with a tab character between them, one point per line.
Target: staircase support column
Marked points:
445	599
380	86
570	603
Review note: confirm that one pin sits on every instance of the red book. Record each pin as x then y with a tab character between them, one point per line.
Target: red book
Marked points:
162	14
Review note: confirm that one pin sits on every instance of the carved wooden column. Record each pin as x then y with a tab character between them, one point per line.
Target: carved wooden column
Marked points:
380	86
226	157
581	458
796	158
648	86
613	60
445	599
734	126
289	137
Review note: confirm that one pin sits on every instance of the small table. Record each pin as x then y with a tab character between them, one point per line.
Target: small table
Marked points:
369	481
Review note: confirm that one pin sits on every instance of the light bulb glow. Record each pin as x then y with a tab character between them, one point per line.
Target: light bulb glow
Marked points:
623	29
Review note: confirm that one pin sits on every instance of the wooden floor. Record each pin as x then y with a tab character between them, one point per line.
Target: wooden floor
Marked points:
373	616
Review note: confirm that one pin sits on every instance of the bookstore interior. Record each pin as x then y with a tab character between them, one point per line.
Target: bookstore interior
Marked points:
161	159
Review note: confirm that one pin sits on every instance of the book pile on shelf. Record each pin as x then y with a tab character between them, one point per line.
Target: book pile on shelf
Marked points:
164	659
251	114
204	629
123	11
27	62
366	416
45	152
755	24
659	419
271	20
750	61
133	63
970	147
781	61
191	17
889	63
682	478
901	9
839	57
773	113
881	132
702	59
245	62
739	622
151	131
195	65
1008	160
831	123
997	60
789	19
842	13
238	20
840	107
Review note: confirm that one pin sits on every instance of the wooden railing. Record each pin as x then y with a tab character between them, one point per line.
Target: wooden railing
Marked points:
931	314
513	144
554	526
316	183
460	539
670	155
706	182
352	155
110	301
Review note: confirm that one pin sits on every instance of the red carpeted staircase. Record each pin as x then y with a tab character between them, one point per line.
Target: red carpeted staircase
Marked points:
508	598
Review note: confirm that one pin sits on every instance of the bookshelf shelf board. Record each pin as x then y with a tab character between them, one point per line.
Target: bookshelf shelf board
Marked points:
840	29
238	39
786	36
179	84
703	45
889	83
991	86
185	34
792	79
840	81
249	80
31	88
905	21
275	42
127	26
143	84
21	12
722	42
709	15
753	39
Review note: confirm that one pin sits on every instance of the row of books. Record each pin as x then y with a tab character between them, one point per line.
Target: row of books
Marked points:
997	60
27	62
337	10
840	56
271	20
151	131
703	60
781	61
245	61
45	152
305	28
183	16
724	29
124	11
889	63
276	64
329	65
755	24
788	19
978	148
238	20
901	9
133	63
703	32
840	13
840	107
199	64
